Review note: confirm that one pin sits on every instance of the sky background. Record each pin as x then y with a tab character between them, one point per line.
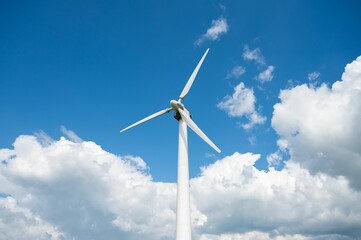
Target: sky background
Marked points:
74	73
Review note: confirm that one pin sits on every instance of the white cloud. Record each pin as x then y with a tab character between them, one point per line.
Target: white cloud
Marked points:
236	72
78	190
274	159
253	55
322	125
313	76
286	204
253	119
20	223
218	28
86	192
254	235
266	75
59	189
242	103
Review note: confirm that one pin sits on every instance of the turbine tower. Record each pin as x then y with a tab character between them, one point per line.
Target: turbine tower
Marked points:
183	228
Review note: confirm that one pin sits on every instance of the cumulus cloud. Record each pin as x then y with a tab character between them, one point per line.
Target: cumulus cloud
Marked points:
253	55
76	190
19	223
322	125
256	235
72	189
242	103
236	72
86	192
218	28
266	75
246	203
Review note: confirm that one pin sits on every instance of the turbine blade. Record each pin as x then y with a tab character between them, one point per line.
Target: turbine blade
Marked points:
197	130
154	115
192	77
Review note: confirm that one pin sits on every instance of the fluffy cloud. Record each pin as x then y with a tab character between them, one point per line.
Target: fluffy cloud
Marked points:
85	192
286	204
236	72
253	55
266	75
322	125
219	27
61	189
242	103
69	190
17	222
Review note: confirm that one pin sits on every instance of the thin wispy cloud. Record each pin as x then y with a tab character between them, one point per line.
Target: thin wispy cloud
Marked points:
313	76
222	7
236	72
266	75
218	28
253	55
43	138
254	119
70	134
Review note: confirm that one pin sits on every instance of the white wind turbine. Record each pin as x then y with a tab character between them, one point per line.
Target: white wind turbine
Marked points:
183	229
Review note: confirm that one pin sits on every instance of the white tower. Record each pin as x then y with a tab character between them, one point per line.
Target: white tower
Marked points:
183	227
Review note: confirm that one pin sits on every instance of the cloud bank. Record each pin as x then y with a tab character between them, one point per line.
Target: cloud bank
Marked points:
77	190
62	189
84	191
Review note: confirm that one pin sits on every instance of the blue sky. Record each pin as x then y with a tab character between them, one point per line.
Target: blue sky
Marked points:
96	67
87	69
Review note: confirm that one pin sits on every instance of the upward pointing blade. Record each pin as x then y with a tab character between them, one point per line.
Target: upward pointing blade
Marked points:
154	115
197	130
192	77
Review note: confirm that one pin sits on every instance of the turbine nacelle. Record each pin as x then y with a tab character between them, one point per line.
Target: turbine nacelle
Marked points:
176	104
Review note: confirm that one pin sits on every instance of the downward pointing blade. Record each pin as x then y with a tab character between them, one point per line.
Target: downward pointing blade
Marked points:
197	130
192	77
157	114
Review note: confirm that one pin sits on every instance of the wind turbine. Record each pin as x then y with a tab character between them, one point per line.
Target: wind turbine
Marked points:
183	228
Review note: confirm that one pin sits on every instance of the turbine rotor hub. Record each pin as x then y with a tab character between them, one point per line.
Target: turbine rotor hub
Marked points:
176	104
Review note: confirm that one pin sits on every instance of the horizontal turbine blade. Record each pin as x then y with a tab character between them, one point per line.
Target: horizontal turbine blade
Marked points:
192	77
197	130
157	114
